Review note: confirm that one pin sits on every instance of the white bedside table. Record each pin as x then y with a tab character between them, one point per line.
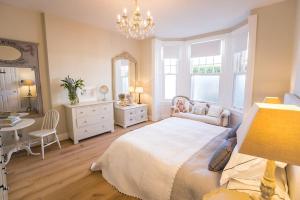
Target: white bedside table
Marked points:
129	115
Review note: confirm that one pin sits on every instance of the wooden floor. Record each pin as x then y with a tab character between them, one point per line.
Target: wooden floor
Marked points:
65	173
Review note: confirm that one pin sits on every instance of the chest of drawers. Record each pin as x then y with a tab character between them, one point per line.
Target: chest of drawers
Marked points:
130	115
89	119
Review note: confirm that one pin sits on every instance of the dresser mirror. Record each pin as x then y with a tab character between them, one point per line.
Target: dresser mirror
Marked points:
124	74
20	87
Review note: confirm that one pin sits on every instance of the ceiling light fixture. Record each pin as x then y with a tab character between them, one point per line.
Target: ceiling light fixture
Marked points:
135	26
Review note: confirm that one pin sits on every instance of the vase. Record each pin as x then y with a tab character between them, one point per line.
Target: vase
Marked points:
73	97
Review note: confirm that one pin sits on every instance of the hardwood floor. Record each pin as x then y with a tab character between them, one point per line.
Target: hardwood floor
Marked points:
64	174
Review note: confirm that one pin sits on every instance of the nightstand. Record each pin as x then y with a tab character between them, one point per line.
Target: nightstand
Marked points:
129	115
224	194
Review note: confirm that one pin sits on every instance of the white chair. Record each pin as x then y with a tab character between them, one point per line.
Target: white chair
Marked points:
49	125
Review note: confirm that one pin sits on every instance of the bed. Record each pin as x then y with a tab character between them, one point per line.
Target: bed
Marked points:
169	160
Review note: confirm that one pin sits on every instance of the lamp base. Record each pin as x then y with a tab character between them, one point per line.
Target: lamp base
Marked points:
268	183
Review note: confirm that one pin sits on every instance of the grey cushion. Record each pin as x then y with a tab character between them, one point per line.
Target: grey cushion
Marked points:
222	155
232	132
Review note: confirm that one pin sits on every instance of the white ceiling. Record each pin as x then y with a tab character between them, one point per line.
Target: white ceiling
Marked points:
173	18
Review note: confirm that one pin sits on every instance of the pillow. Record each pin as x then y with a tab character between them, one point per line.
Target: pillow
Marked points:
199	108
222	155
215	111
232	132
182	105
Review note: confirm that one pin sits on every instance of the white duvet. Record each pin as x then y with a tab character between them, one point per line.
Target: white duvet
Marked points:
143	163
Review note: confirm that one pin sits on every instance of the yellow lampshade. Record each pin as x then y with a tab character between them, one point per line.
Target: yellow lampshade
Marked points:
139	89
131	89
272	100
271	131
27	82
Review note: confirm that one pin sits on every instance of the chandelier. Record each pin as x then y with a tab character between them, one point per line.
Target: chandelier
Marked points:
135	26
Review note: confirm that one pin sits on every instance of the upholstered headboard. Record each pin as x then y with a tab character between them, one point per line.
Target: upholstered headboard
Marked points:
293	172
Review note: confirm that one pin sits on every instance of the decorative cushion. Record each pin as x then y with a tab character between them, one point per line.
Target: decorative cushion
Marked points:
232	132
182	105
222	155
200	108
215	111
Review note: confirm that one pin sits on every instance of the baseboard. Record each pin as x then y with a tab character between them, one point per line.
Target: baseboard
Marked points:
63	136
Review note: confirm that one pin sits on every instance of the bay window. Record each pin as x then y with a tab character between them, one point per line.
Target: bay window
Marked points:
205	66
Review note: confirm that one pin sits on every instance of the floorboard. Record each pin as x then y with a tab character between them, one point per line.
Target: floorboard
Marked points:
65	173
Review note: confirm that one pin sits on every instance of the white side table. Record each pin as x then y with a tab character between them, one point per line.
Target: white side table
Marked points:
19	145
129	115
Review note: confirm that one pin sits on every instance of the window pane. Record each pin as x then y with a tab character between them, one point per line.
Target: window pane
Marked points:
217	59
205	88
210	60
239	91
202	60
167	62
167	69
170	86
173	61
173	69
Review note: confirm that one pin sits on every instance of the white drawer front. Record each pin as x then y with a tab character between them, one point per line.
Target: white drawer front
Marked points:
141	110
94	110
94	130
141	117
90	120
82	111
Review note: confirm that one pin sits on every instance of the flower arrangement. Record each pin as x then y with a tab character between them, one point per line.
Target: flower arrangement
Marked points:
72	85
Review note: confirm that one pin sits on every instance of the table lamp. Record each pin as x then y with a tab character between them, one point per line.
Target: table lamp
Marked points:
29	83
139	90
271	131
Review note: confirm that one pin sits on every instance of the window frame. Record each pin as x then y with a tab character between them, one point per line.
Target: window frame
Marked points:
220	38
166	74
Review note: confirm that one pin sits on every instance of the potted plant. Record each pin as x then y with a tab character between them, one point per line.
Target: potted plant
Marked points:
72	85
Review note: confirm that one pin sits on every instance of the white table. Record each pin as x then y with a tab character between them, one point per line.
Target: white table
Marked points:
19	145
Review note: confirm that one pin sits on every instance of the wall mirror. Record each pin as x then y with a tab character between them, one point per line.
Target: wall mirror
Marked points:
124	68
20	87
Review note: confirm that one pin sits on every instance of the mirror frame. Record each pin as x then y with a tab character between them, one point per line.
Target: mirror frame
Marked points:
28	59
127	56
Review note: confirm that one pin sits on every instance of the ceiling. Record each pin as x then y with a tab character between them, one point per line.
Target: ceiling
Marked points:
173	18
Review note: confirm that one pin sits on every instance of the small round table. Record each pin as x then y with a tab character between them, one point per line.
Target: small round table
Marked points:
19	145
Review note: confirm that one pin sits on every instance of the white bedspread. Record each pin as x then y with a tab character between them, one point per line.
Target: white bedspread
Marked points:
144	162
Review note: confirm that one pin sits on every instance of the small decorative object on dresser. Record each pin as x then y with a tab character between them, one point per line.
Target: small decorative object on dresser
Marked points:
224	194
89	119
103	90
130	115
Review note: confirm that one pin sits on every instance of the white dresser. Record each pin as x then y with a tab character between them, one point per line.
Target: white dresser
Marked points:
129	115
89	119
3	181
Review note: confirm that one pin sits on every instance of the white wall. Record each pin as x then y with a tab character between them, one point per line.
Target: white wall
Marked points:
81	51
295	83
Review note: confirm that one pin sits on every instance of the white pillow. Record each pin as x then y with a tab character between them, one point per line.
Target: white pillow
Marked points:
215	111
199	108
245	167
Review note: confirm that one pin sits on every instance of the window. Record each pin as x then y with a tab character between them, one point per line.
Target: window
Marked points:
170	71
124	78
240	61
205	61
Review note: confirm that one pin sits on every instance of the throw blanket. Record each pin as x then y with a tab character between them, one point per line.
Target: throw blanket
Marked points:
144	162
193	179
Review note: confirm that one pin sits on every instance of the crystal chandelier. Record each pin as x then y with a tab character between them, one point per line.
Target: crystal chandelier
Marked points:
135	26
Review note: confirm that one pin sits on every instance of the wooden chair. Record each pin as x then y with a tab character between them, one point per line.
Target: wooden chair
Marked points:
49	125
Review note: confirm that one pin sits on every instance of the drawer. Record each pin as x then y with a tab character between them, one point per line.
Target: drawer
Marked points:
141	117
94	130
141	110
129	113
82	111
90	120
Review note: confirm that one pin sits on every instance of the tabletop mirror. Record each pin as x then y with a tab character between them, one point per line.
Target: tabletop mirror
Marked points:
124	74
20	87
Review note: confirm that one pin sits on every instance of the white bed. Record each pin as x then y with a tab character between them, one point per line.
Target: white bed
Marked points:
144	162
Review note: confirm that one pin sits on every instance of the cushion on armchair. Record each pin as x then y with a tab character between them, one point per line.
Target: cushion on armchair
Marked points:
199	108
215	111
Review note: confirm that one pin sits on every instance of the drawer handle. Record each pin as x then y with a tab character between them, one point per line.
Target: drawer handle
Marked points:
85	121
131	113
102	126
142	110
131	119
5	188
85	131
142	116
81	112
94	110
102	117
